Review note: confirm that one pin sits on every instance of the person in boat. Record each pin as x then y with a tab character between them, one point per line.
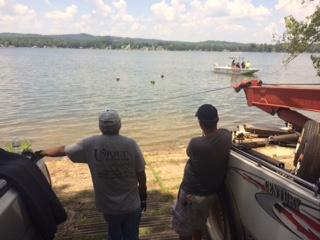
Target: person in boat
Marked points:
233	63
243	64
248	64
118	173
238	65
204	175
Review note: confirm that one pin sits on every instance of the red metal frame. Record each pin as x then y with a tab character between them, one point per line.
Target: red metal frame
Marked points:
280	99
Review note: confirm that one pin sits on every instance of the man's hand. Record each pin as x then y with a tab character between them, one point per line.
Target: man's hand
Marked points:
143	198
39	154
52	152
142	179
143	206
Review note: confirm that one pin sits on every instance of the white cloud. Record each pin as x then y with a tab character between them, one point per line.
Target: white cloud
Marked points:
269	32
2	3
68	14
119	22
120	4
123	17
245	9
271	29
6	19
121	14
197	9
104	8
231	28
206	18
169	12
84	24
137	27
296	8
187	20
14	14
20	9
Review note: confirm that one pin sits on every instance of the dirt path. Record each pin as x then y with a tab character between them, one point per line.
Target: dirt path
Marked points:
72	183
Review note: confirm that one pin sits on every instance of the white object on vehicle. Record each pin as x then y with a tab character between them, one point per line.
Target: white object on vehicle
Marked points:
14	220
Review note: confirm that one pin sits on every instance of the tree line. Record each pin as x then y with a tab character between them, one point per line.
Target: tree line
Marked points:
99	42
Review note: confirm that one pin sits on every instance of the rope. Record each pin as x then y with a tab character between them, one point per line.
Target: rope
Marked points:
292	84
187	95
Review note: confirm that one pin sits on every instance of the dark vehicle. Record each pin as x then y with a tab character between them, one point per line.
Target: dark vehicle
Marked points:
15	222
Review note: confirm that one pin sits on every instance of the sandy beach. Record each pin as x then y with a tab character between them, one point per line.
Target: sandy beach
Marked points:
72	183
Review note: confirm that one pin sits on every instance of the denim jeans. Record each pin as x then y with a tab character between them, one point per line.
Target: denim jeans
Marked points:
123	226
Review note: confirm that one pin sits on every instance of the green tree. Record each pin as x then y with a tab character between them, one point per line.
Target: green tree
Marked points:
302	35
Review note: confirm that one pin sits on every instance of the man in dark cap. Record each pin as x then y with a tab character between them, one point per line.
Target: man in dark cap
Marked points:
117	168
203	175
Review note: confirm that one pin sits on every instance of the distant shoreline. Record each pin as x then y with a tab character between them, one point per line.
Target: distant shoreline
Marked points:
122	49
86	41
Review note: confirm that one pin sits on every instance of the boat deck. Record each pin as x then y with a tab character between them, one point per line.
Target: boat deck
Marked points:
279	153
259	145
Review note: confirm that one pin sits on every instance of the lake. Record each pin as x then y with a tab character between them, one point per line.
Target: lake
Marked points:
54	96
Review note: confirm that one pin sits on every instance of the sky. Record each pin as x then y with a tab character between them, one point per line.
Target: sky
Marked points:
183	20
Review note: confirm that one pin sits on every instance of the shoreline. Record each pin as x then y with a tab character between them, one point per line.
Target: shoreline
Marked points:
68	177
73	185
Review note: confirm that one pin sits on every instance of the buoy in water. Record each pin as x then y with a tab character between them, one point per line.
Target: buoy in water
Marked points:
152	82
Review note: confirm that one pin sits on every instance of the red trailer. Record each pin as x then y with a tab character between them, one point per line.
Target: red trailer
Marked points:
272	183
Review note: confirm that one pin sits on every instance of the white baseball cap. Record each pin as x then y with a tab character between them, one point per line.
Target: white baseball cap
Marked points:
109	119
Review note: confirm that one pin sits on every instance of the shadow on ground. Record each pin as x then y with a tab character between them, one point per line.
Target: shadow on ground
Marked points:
85	223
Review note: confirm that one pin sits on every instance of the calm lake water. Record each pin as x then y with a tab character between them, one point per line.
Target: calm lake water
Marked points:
54	96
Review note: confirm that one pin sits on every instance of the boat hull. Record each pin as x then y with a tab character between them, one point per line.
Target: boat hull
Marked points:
235	71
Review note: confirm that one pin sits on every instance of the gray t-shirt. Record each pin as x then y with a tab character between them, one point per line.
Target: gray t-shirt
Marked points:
113	161
207	165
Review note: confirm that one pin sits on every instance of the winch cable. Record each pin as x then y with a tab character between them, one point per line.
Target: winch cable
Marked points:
187	95
191	94
291	84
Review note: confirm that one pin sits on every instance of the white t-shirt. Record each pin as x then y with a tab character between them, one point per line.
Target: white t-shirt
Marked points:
114	161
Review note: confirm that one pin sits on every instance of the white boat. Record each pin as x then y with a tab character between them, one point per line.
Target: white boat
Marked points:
234	70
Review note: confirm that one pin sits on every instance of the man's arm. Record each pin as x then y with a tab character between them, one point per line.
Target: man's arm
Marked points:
53	152
189	149
142	180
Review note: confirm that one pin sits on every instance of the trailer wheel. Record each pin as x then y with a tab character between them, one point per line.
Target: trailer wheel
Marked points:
310	128
310	165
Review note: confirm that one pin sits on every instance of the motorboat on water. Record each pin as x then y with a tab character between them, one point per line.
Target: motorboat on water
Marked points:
235	70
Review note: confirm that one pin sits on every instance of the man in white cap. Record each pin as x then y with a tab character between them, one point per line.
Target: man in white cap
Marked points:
117	167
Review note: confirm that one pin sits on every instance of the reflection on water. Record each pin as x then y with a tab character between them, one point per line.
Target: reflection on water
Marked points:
238	78
54	96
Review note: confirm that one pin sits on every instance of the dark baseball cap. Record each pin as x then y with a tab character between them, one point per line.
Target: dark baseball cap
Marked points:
207	113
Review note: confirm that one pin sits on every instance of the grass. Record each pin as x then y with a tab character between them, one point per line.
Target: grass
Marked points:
143	231
24	145
158	212
157	177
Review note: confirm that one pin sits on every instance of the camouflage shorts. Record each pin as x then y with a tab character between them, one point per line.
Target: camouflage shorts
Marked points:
190	213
